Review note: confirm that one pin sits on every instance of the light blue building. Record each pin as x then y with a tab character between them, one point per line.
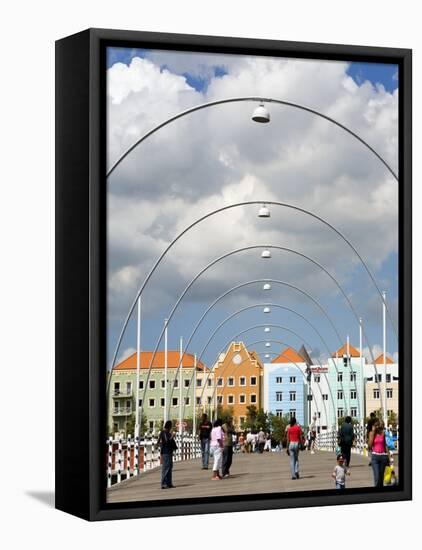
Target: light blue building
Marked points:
285	388
347	385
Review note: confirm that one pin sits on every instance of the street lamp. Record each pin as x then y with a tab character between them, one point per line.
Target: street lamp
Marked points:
261	114
266	253
266	310
264	212
267	329
267	344
267	286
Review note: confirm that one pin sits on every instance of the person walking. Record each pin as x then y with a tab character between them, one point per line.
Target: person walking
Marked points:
380	453
167	446
369	426
261	440
294	438
268	442
339	473
216	448
242	442
228	447
205	428
346	439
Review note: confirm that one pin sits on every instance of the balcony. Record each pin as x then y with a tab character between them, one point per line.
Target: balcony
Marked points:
122	411
122	393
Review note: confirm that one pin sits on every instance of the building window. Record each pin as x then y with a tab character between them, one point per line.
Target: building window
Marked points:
253	380
209	382
141	384
198	400
317	378
388	378
325	396
340	413
187	400
242	398
163	384
353	394
340	394
279	396
292	413
186	382
319	415
175	401
162	402
352	377
376	394
116	388
230	399
152	402
175	383
140	403
152	384
220	399
378	378
292	395
209	400
279	413
116	406
219	382
242	420
151	425
199	382
242	382
353	412
389	393
253	398
293	380
340	377
389	412
309	396
230	381
279	380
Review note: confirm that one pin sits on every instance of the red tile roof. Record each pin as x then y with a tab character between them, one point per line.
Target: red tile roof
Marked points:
173	358
380	360
289	355
343	351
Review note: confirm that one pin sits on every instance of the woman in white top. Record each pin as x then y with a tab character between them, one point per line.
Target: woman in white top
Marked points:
216	448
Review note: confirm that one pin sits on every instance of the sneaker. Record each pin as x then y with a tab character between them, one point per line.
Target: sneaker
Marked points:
225	476
297	475
312	452
294	478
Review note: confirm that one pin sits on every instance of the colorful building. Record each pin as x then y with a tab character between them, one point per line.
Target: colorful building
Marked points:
378	383
181	390
238	378
285	388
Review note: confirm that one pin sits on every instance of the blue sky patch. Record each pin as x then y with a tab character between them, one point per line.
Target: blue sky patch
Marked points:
376	73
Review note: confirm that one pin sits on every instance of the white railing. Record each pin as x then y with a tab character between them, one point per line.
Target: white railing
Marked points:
132	456
328	440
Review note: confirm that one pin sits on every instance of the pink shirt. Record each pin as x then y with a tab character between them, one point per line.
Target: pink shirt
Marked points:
216	434
378	446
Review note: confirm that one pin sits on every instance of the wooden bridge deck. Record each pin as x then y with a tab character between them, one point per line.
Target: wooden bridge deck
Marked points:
250	473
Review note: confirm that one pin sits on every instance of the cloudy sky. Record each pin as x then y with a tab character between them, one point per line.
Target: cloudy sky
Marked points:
218	156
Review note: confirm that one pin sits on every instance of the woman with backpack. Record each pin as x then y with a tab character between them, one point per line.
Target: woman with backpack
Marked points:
380	453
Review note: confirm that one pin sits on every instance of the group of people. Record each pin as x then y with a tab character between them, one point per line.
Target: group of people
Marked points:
217	442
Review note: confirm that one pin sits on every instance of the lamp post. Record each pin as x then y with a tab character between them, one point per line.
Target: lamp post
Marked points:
165	368
138	369
384	348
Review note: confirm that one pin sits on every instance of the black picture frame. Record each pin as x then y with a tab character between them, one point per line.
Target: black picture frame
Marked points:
81	273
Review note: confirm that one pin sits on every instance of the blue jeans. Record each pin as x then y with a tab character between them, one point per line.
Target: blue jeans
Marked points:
340	485
294	458
205	450
379	462
167	470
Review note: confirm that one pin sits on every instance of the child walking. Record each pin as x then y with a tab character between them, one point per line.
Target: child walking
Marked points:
340	472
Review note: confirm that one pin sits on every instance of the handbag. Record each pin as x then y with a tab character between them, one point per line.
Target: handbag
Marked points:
387	475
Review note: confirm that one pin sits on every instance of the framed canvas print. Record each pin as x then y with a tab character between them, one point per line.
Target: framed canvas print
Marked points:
233	274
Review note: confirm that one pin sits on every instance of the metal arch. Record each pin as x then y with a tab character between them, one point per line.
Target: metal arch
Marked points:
250	328
297	208
234	252
238	100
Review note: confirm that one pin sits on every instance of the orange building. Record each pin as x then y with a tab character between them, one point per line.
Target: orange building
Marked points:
238	377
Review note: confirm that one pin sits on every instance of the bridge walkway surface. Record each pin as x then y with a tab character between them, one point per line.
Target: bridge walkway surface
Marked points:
250	474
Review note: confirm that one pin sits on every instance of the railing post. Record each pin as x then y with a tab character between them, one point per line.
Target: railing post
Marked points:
136	458
110	456
119	461
128	457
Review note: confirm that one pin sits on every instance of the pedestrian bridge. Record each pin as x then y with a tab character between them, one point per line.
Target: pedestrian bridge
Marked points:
252	473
